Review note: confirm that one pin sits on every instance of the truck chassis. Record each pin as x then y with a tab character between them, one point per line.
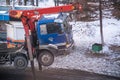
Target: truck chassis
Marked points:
13	55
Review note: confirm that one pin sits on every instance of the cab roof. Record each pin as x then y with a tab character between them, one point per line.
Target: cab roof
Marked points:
58	18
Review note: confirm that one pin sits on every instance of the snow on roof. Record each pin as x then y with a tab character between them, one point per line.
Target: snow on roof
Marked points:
3	12
51	15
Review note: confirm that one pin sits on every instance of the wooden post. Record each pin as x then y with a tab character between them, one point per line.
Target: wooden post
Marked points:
101	25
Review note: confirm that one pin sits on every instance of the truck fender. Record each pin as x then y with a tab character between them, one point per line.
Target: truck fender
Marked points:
51	49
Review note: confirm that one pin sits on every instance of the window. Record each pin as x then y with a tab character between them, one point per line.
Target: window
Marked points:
53	28
50	28
43	29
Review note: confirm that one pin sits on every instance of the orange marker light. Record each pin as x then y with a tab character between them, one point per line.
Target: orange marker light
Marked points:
15	14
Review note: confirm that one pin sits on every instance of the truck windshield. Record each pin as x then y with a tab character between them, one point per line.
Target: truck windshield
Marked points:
53	28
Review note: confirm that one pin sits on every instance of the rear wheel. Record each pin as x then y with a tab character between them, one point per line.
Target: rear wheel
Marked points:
20	62
45	58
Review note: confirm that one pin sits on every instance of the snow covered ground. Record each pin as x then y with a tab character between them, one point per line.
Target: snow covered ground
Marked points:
82	58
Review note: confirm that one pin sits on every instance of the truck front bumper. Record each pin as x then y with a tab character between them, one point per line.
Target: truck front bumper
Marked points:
65	49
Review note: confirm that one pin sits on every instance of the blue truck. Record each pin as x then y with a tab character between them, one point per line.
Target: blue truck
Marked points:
54	36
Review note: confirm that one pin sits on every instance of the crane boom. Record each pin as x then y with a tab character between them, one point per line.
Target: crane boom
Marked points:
39	11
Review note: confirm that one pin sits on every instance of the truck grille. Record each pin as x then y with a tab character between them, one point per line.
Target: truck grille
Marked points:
62	47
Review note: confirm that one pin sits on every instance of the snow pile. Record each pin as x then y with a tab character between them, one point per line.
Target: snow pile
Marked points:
82	58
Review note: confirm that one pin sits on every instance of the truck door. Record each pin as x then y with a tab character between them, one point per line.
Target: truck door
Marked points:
68	31
51	33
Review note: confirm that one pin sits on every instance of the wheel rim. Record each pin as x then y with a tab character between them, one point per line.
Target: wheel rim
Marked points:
20	63
46	58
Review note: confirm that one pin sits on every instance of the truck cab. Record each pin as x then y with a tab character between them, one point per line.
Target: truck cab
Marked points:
54	34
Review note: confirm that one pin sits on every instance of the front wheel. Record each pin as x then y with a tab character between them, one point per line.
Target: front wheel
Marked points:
20	62
45	58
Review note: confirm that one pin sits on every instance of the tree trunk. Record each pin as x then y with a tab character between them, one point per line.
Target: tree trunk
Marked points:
83	3
25	2
7	2
56	2
32	2
36	2
19	2
101	22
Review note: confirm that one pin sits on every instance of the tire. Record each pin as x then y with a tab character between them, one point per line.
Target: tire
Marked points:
45	58
20	62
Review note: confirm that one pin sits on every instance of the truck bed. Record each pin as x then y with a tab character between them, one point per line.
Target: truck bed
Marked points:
4	49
